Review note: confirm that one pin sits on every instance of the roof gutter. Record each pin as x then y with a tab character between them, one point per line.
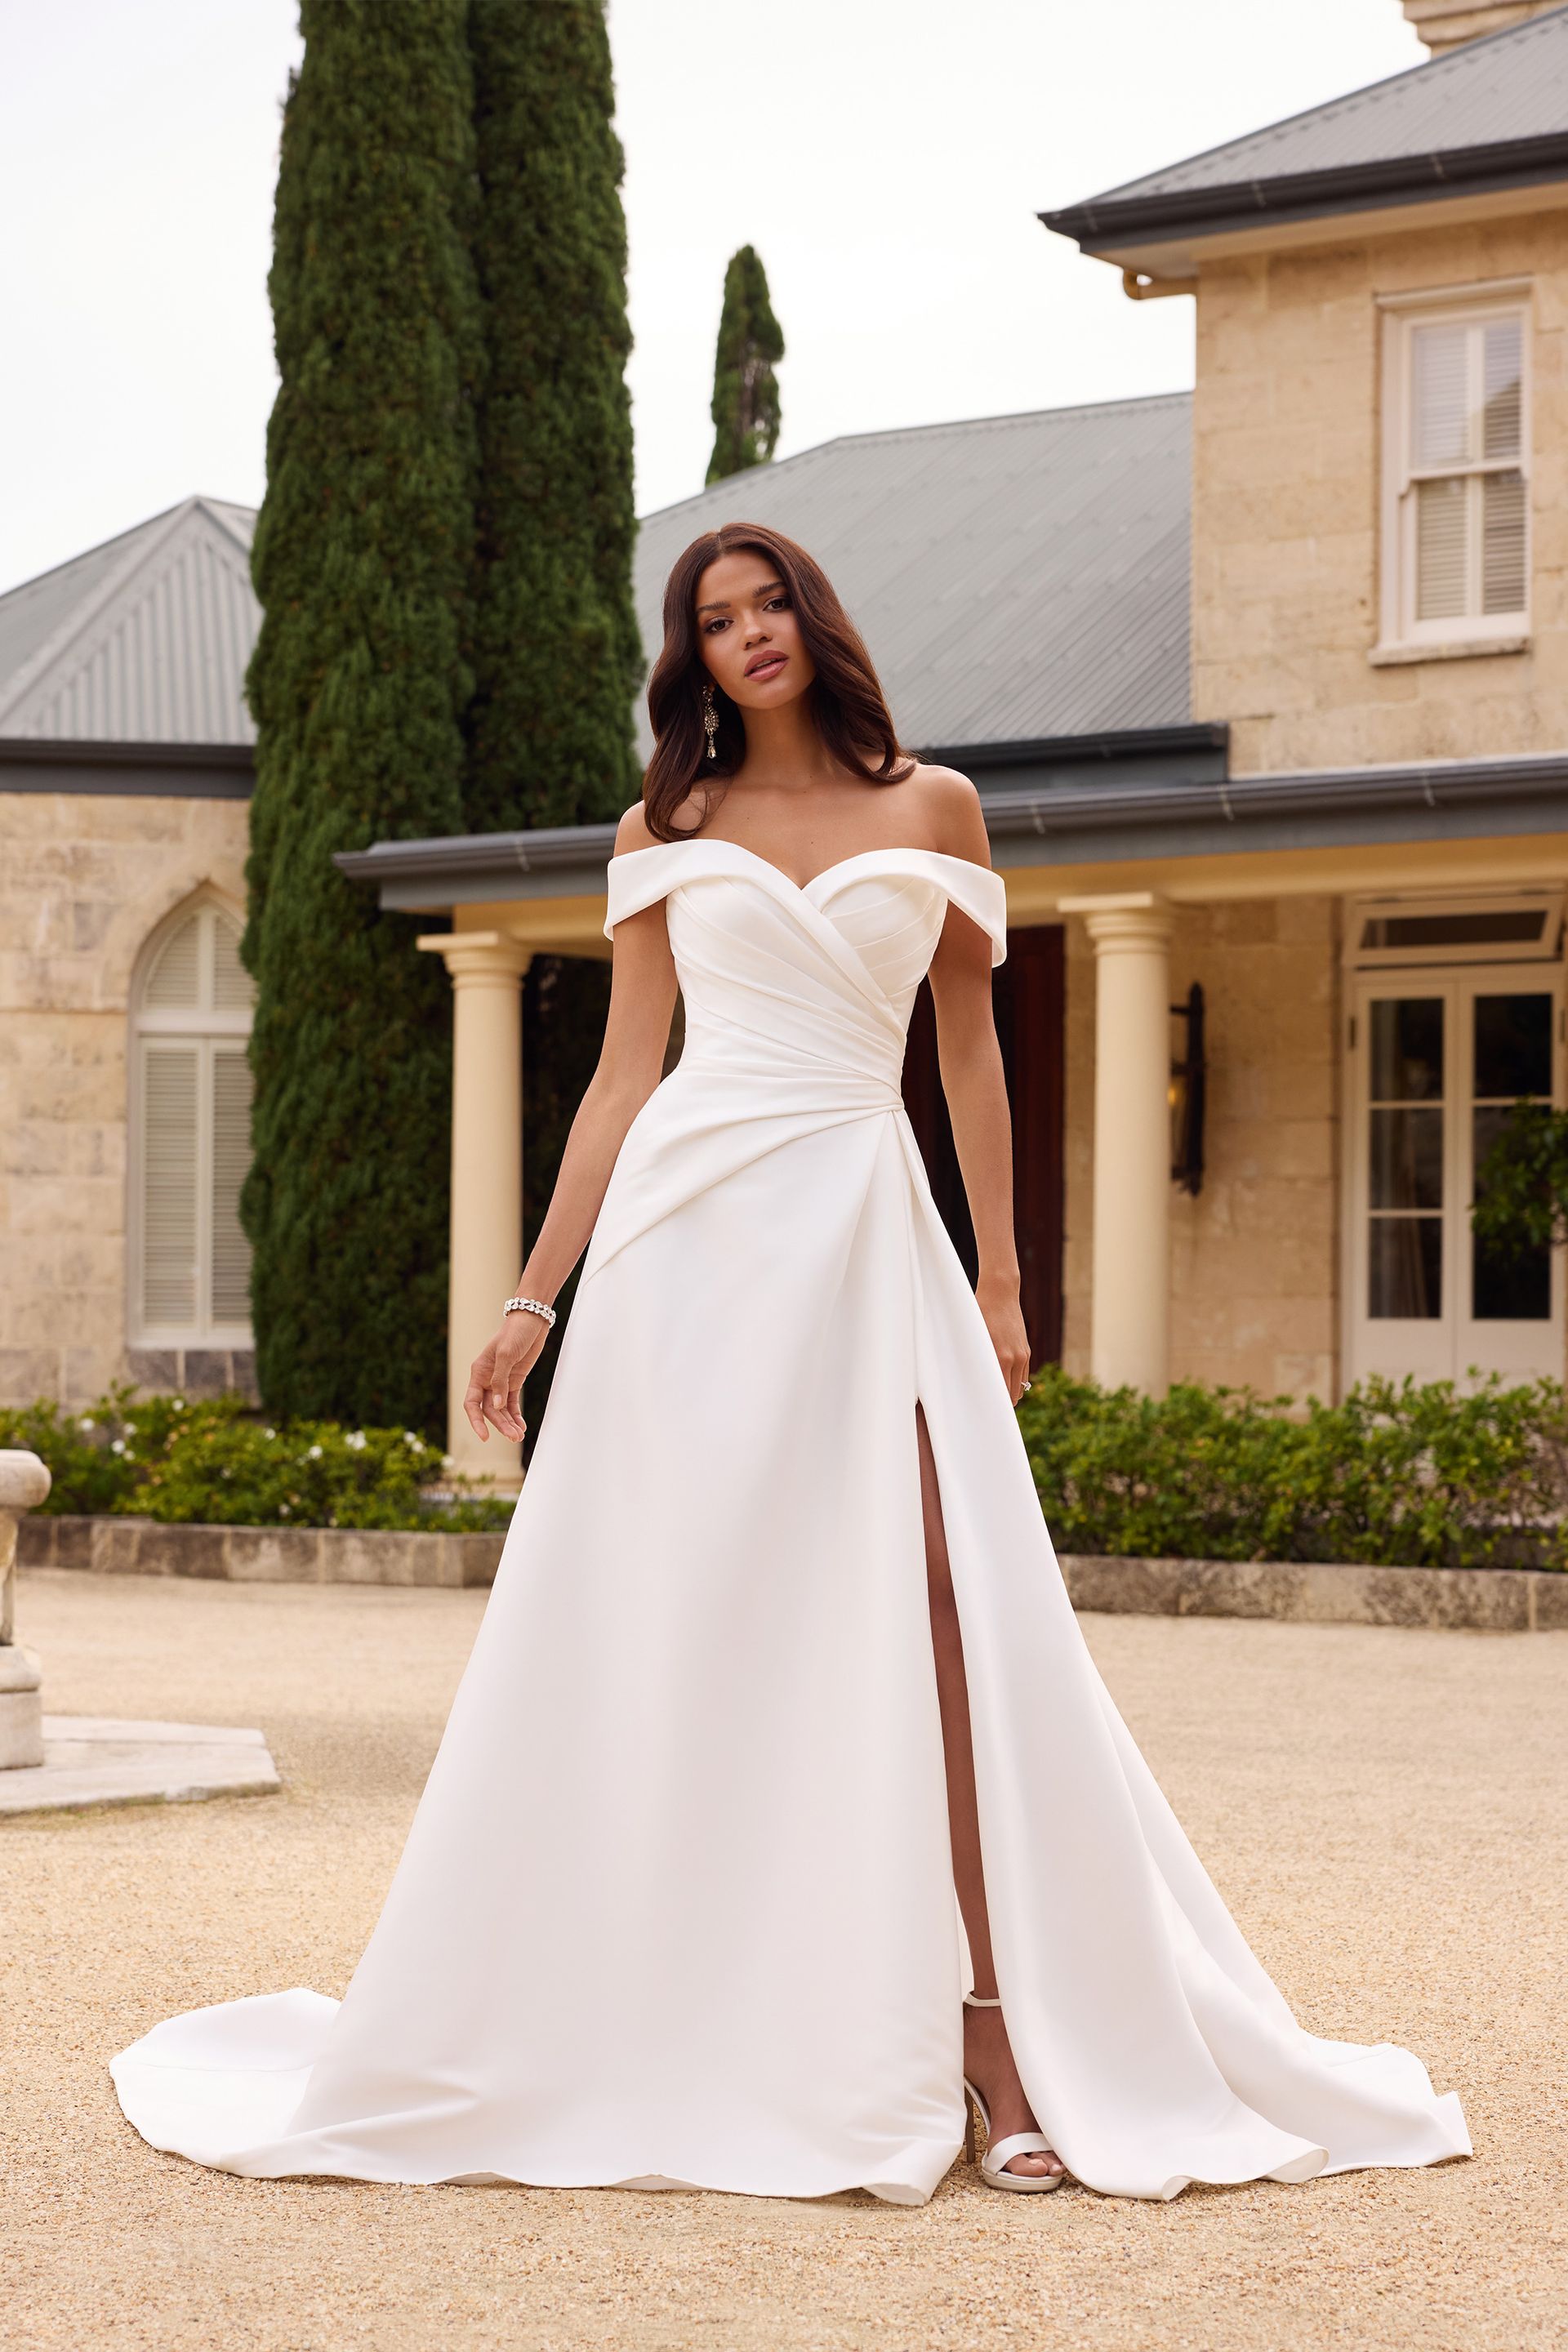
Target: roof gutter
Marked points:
1459	786
1073	750
39	764
1103	221
1059	824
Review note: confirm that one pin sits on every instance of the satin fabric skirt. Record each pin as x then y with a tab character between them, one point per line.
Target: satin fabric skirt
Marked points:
676	1907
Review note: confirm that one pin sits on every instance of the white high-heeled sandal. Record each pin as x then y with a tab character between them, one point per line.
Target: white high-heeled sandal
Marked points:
1001	2152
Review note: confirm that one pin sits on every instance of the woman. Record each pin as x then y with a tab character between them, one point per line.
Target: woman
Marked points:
778	1656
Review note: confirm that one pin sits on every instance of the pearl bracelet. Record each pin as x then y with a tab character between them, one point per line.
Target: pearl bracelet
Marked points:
529	1307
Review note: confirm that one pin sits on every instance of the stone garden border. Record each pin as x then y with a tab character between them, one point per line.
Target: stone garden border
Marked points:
1473	1600
1494	1600
115	1544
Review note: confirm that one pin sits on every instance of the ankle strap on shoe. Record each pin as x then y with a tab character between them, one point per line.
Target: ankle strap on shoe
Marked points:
977	2000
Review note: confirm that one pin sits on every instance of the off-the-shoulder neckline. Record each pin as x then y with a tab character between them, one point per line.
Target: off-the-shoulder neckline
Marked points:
860	857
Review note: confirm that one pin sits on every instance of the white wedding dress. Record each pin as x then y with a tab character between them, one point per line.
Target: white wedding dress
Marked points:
676	1907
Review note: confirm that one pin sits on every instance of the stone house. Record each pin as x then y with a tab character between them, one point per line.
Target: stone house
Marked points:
125	774
1266	695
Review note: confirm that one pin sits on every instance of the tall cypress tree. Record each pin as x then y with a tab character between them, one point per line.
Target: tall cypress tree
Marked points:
555	653
745	387
358	684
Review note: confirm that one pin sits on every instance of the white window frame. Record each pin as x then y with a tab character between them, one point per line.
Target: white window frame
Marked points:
1402	635
211	1033
1548	904
1445	1347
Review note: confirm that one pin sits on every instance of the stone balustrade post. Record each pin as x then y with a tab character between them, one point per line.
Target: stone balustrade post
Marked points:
24	1482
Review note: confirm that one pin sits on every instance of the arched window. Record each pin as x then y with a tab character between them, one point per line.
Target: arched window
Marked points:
190	1136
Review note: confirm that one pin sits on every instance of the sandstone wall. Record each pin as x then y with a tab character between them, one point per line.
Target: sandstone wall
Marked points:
1255	1257
84	879
1286	448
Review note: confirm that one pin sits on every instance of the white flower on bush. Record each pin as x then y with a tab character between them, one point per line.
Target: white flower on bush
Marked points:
269	1433
314	1454
131	1429
417	1442
179	1405
118	1447
87	1421
356	1438
283	1510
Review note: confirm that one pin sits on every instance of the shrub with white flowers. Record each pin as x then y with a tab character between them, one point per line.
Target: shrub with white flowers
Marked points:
216	1460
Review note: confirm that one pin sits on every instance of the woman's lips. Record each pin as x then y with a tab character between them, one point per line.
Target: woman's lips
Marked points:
769	666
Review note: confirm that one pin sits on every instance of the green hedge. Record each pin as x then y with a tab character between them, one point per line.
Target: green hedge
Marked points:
1402	1474
162	1458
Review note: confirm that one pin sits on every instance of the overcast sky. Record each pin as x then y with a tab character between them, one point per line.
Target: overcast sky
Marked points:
887	161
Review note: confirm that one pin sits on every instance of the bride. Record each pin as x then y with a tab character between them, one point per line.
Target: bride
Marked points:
778	1659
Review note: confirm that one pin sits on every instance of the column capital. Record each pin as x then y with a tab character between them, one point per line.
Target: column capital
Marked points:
1122	919
488	957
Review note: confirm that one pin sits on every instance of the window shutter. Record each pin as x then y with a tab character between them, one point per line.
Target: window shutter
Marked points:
174	981
230	1159
1503	388
1502	543
1440	433
171	1075
1471	504
1440	541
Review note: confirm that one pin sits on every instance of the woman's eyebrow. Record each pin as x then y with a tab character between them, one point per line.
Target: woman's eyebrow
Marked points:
770	589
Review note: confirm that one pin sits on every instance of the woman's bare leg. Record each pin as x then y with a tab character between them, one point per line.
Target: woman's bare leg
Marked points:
988	2055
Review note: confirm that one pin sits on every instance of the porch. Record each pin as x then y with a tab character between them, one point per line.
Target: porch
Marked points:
1325	1235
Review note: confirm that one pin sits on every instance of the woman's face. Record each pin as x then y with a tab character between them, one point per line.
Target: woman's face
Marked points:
748	635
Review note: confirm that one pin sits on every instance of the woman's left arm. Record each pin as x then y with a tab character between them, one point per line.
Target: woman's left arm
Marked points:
976	1092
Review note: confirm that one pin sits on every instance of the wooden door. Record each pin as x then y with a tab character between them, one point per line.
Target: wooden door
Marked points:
1029	991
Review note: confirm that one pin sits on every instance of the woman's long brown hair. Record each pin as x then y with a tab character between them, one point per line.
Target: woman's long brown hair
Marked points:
846	697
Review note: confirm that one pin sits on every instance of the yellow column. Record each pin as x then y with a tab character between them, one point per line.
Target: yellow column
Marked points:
486	970
1130	1306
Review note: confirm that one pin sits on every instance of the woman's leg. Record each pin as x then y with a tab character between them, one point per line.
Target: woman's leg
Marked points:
988	2055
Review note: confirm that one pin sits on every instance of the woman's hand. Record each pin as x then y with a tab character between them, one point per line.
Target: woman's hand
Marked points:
496	1377
1005	1321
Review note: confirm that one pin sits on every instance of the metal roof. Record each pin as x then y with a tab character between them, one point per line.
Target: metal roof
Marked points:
144	639
1497	103
1014	577
1017	578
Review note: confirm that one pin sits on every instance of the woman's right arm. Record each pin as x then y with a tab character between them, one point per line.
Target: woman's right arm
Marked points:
636	1034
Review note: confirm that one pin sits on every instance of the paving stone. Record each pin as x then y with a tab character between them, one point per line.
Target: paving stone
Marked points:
102	1760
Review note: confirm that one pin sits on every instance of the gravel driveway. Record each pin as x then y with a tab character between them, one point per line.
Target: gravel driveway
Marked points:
1386	1812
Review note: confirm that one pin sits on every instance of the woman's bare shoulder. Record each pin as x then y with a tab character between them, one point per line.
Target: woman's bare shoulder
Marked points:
632	832
687	819
949	809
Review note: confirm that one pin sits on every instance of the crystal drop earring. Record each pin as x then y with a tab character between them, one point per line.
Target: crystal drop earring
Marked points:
709	722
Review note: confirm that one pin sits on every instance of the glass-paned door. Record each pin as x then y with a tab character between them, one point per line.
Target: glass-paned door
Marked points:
1435	1063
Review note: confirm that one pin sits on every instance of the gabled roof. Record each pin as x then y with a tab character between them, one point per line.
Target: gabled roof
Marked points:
144	639
1014	577
1017	578
1491	114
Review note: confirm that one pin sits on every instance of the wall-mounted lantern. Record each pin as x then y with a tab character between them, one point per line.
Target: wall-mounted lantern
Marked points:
1186	1097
